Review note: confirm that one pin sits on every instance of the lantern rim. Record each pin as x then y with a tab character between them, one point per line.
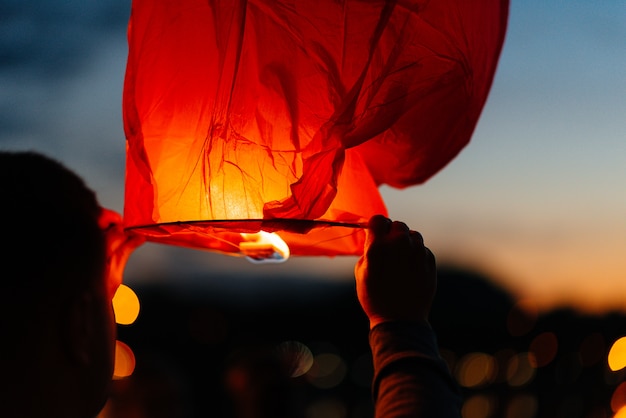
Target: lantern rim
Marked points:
270	225
303	236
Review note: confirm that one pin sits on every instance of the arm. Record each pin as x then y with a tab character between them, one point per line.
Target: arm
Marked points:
396	280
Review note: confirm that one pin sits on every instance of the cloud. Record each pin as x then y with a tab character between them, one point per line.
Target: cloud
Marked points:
54	38
61	88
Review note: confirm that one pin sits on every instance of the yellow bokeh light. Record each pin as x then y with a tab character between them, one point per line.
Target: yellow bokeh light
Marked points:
124	361
617	355
125	305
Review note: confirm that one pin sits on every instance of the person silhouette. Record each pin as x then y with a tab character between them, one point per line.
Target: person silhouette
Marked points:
396	281
62	254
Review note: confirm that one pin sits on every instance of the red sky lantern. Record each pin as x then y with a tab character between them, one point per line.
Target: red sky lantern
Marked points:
286	116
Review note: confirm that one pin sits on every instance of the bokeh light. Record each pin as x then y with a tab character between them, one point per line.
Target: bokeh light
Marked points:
125	305
479	406
297	356
519	371
617	354
124	361
503	357
476	369
328	371
544	348
618	400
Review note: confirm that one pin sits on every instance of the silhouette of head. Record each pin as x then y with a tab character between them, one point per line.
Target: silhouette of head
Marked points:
59	331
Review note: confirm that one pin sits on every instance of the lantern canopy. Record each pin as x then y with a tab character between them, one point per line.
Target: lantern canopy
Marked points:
286	116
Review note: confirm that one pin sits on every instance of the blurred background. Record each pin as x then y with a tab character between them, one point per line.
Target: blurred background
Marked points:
530	214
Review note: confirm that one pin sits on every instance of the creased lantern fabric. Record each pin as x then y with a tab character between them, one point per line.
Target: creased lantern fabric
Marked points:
286	116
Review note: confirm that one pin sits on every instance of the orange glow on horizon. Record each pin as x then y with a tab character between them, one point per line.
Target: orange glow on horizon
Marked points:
585	271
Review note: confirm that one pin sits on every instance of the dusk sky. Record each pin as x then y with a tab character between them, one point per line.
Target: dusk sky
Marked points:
536	201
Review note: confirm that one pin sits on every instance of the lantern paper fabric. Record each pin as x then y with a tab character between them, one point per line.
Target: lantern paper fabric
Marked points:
287	115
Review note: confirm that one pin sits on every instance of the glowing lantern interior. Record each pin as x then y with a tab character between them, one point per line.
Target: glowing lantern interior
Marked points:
286	116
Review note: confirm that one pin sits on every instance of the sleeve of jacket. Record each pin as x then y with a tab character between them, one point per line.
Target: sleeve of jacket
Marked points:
410	378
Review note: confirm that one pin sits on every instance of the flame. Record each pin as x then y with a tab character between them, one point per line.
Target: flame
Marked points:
264	247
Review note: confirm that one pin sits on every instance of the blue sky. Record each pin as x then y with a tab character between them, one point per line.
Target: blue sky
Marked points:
536	200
